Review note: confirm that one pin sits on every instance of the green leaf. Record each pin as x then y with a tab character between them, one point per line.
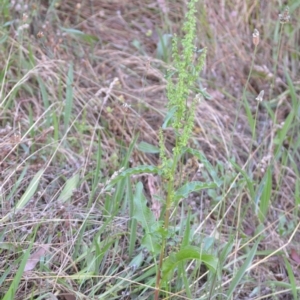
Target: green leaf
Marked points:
188	253
147	148
69	188
192	186
249	181
163	49
69	98
101	249
152	243
44	94
10	294
283	132
27	195
292	279
266	195
3	38
141	212
169	117
30	190
293	93
187	232
242	270
137	261
146	218
133	223
17	183
137	44
226	250
4	275
89	38
250	118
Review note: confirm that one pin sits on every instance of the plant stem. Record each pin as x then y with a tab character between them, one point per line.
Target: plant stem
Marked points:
166	226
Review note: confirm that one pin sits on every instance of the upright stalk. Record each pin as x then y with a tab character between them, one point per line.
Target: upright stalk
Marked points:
188	64
166	227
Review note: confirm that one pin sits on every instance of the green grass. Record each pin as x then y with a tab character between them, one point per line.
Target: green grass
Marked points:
96	200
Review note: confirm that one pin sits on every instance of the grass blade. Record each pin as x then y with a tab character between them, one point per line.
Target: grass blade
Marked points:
10	294
69	98
266	195
239	275
69	188
291	278
27	195
133	222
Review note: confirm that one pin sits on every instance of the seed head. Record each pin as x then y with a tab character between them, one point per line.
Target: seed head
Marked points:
40	34
255	37
25	17
260	96
285	17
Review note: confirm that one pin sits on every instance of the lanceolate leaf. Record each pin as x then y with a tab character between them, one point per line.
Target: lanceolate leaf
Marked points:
30	190
266	196
188	253
193	186
141	212
168	118
80	34
187	232
69	188
145	218
147	148
27	195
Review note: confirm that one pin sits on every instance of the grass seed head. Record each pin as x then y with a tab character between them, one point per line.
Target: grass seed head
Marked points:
260	96
285	17
25	17
40	34
255	37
